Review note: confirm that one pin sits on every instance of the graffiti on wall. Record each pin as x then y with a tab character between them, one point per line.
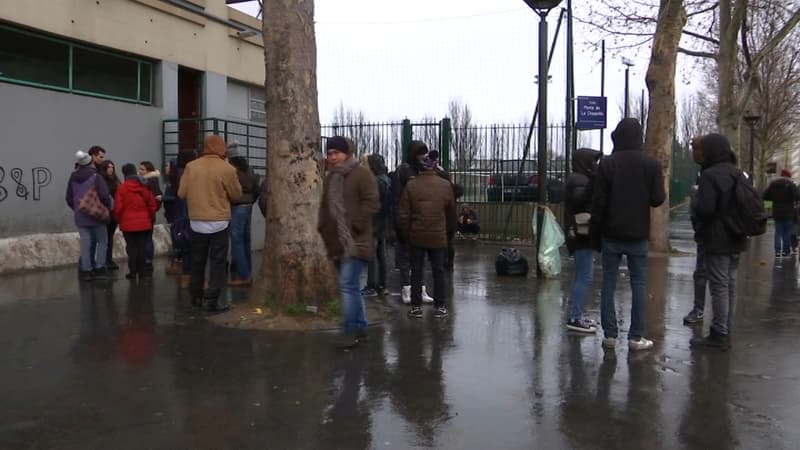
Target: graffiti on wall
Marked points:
17	182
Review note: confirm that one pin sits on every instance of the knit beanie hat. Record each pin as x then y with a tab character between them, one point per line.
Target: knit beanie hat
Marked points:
233	149
337	143
82	158
786	173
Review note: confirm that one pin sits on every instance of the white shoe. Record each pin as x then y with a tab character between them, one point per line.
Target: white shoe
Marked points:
406	294
425	297
640	344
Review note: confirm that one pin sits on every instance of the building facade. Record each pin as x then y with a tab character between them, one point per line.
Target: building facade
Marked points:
77	73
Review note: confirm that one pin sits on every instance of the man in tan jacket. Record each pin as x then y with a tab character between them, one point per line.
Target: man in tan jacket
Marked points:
350	198
209	184
425	206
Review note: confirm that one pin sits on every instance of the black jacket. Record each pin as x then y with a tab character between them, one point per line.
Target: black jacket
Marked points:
628	184
782	193
714	196
251	187
579	191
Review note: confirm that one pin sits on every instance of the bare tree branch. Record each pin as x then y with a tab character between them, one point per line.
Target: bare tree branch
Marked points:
702	11
696	53
701	37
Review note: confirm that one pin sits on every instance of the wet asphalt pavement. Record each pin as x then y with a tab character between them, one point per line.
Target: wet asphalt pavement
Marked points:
130	366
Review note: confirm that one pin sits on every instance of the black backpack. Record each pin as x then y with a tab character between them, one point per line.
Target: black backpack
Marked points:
746	215
511	262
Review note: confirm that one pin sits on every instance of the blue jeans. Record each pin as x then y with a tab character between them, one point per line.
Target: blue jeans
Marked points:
783	236
94	245
636	255
354	318
584	265
241	216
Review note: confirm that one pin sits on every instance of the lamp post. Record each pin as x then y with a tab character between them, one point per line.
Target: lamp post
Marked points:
628	63
751	120
542	8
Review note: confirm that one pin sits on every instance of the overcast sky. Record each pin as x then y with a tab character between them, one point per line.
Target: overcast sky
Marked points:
394	60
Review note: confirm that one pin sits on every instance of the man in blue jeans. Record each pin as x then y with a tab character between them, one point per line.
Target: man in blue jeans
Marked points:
350	198
783	194
628	184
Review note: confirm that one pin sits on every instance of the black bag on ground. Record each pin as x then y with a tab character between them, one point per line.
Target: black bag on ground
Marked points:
511	262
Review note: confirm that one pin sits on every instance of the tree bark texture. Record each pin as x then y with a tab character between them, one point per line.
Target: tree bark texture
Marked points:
731	15
661	113
295	267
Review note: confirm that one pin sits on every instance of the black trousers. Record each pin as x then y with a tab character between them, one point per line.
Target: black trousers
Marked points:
212	249
112	228
436	257
451	251
136	246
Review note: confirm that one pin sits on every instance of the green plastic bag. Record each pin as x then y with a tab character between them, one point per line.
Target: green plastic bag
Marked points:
549	256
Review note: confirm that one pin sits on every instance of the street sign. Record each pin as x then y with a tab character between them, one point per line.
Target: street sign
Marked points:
591	113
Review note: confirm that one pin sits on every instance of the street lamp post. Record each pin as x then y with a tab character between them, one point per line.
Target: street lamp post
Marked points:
542	7
751	120
628	63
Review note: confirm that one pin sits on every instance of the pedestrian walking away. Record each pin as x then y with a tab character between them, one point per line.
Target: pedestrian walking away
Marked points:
349	201
578	204
628	184
425	205
209	184
721	247
783	194
135	208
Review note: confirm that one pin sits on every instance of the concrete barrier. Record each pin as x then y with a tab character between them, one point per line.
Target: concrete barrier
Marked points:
41	251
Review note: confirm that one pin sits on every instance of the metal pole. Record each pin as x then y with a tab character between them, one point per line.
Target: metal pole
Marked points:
570	132
542	141
627	111
602	86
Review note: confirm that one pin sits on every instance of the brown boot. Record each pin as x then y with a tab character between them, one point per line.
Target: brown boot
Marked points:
186	281
174	268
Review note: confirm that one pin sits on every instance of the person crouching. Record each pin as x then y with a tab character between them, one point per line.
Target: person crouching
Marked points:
135	208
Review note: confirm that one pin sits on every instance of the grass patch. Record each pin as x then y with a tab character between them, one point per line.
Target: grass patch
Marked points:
333	308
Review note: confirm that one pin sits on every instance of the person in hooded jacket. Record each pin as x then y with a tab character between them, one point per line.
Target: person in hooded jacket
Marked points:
417	150
107	170
135	208
579	191
695	316
241	217
721	248
629	183
381	221
783	194
91	230
209	184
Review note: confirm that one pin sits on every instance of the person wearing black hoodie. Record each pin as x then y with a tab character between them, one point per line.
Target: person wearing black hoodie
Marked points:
783	194
629	183
721	248
579	190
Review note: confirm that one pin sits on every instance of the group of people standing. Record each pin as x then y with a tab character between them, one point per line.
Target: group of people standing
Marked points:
207	200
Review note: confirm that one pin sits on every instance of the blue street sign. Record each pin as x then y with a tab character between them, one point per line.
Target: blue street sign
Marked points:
591	113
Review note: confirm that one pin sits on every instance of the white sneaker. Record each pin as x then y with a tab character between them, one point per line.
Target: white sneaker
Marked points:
425	297
406	294
640	344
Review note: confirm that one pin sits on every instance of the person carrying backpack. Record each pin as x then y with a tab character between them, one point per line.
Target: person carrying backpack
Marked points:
783	194
713	204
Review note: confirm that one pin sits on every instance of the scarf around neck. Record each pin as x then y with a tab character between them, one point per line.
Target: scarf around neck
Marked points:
336	203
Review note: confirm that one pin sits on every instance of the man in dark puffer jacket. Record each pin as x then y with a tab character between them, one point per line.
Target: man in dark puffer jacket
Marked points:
783	193
721	248
629	183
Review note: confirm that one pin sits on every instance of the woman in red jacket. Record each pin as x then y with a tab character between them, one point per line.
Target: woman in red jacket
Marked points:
134	209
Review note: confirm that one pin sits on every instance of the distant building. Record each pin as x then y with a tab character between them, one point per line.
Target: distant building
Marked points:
115	73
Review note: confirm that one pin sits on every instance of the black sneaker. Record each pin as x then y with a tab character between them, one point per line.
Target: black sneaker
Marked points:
112	266
694	317
440	312
87	275
215	307
101	274
581	326
197	302
369	292
713	340
346	342
362	336
415	312
130	276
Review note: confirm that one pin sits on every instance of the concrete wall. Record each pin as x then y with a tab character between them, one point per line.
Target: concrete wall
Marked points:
151	28
41	131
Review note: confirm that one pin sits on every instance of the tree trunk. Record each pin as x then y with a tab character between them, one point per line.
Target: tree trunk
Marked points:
728	109
661	113
295	268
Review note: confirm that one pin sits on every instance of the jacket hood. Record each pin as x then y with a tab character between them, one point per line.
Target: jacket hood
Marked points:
716	149
377	164
153	174
83	173
215	145
628	135
134	185
416	148
584	161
